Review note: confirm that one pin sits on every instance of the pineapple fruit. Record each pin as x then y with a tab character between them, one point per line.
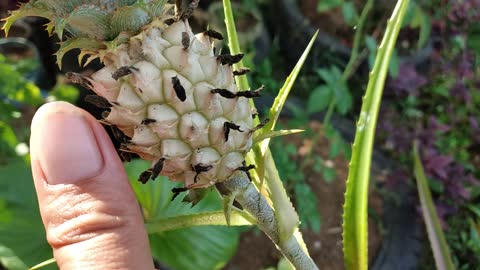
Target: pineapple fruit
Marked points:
169	96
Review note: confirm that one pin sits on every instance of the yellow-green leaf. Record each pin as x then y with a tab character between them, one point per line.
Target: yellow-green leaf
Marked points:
355	216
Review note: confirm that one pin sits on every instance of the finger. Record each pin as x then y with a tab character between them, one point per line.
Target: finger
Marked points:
88	208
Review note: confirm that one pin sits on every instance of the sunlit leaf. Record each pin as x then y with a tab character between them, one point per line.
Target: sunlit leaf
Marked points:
261	156
273	134
206	247
65	92
355	217
8	139
24	233
319	99
197	248
42	265
9	260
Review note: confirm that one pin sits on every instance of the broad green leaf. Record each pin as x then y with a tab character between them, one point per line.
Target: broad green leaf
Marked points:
355	217
23	233
436	186
197	248
371	44
307	207
473	41
204	247
155	197
329	174
65	92
326	5
350	13
394	66
343	99
425	30
438	244
14	84
216	218
284	264
8	139
319	99
9	260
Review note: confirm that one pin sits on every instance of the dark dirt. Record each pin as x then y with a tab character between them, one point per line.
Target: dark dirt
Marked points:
332	21
257	252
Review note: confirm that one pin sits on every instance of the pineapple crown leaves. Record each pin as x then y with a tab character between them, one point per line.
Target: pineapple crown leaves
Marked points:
92	25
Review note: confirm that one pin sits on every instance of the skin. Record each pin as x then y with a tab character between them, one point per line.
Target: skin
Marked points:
91	217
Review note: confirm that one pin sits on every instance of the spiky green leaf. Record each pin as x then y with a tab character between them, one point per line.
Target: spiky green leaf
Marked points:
90	21
355	222
272	134
85	44
217	218
227	207
281	98
44	264
129	18
26	10
285	213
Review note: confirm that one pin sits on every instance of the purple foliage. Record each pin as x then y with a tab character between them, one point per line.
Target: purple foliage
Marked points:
465	66
436	164
397	130
460	91
474	129
407	82
463	13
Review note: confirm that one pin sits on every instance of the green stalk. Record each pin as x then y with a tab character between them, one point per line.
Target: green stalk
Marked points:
349	69
249	197
355	217
282	222
357	40
234	45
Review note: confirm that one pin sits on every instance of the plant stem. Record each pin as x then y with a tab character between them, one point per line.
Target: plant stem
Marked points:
357	40
251	200
348	71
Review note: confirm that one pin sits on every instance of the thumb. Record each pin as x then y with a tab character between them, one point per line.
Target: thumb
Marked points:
88	208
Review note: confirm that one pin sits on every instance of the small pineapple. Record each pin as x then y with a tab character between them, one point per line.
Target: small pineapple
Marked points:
172	97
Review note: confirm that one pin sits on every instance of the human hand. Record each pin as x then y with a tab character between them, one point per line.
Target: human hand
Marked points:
88	208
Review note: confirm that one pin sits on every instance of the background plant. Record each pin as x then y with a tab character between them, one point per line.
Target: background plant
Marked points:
437	104
281	227
433	100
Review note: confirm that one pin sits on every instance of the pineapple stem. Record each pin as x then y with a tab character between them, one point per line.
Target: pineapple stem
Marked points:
252	201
